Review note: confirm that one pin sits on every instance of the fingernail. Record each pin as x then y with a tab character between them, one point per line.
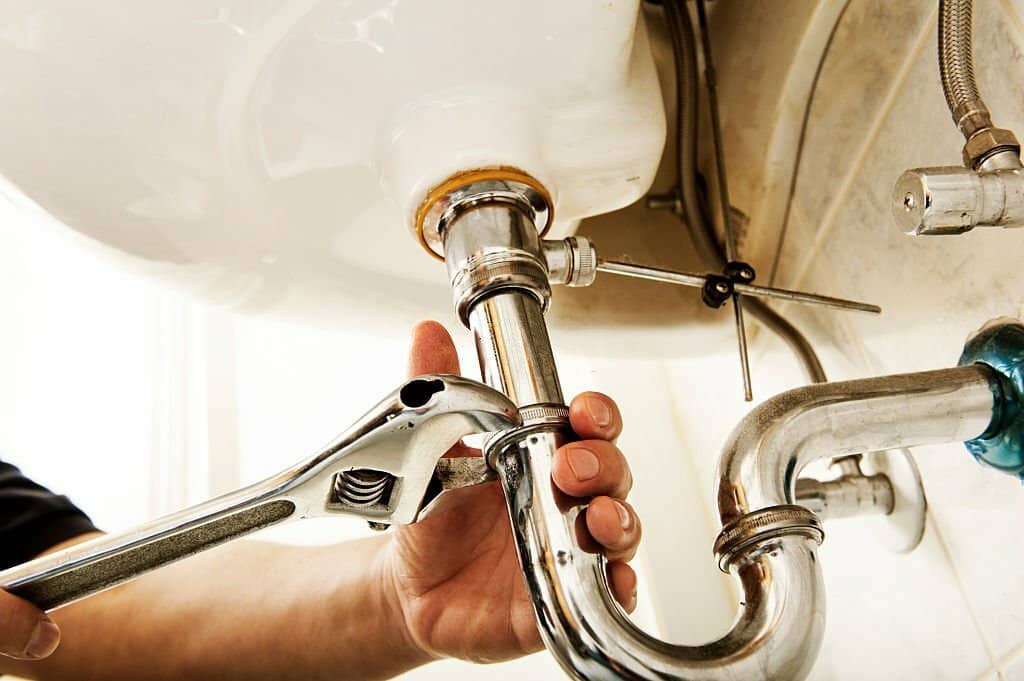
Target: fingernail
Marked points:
599	411
43	641
583	463
625	517
632	601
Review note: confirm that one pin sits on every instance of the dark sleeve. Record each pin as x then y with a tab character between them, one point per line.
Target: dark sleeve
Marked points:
32	518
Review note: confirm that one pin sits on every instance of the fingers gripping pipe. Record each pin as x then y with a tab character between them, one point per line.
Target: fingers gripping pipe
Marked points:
768	542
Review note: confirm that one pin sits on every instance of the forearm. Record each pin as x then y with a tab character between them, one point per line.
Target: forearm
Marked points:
247	610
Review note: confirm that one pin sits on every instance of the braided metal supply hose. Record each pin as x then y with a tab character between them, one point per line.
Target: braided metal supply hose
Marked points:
956	67
934	201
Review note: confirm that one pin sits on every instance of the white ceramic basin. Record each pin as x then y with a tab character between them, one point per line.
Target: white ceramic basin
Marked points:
269	154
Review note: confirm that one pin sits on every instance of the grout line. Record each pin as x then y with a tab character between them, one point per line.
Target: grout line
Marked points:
828	221
1009	658
834	18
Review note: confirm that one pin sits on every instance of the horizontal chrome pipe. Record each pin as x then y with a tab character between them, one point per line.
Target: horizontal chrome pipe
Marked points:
769	448
768	542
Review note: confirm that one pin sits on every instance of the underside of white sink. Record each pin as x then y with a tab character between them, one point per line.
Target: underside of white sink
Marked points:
270	155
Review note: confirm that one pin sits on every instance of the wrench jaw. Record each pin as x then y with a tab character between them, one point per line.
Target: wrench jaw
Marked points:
387	475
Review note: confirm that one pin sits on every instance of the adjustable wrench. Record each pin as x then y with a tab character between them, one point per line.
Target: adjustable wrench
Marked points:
385	468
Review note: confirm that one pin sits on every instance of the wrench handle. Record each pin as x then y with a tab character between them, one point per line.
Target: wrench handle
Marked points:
93	566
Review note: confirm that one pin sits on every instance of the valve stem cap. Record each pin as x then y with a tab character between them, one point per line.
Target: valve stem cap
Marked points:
936	201
955	200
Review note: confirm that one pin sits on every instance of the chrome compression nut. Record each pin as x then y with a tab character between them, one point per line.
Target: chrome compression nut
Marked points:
757	527
545	414
988	142
487	273
500	444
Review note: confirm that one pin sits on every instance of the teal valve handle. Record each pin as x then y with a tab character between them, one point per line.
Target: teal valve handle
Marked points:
1000	345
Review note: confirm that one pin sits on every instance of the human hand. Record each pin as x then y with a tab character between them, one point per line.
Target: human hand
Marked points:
26	633
454	575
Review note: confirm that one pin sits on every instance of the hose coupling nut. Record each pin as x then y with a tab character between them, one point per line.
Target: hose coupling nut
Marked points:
988	142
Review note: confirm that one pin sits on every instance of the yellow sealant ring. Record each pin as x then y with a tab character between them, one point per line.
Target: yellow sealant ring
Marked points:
461	179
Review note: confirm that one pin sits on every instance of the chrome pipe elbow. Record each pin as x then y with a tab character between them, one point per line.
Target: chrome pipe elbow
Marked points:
777	635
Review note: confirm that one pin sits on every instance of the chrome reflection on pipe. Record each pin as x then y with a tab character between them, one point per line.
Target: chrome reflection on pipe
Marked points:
776	637
779	630
767	541
514	350
769	448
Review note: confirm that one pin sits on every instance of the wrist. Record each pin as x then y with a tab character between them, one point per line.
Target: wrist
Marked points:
385	587
348	615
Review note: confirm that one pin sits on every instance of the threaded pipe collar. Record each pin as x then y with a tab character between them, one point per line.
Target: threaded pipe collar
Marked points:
746	533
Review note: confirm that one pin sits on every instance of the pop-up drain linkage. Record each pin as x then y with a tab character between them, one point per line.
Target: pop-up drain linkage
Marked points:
574	262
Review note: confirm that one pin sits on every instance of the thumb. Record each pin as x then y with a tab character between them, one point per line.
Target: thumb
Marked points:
432	351
25	632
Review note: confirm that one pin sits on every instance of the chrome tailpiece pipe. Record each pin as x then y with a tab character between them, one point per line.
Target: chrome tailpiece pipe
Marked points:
769	541
988	191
